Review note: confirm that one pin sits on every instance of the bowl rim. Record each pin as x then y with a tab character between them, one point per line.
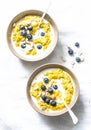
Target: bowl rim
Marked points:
20	16
41	68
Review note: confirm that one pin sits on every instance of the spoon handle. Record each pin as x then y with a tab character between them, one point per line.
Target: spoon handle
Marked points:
44	14
73	116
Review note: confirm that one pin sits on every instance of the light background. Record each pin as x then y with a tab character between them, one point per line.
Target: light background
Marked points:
73	18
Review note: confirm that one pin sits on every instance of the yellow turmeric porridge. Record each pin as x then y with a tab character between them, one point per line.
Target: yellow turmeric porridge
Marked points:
49	87
30	41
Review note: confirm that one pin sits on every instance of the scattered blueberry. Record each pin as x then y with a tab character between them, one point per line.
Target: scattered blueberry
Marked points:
23	32
55	86
22	27
29	36
23	45
47	100
78	59
77	44
46	80
42	33
70	51
29	28
43	97
43	87
39	46
53	103
50	90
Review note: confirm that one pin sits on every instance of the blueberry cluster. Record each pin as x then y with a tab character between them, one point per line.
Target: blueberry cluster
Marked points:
23	32
49	90
48	101
71	52
29	36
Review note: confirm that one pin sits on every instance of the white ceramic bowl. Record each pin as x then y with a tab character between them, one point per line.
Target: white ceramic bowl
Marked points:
19	17
42	68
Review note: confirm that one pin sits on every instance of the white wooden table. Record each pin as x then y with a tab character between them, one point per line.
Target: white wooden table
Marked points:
74	23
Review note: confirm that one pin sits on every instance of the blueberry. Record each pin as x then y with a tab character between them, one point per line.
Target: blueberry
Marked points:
29	36
22	27
42	33
46	80
78	59
23	45
53	103
55	86
70	51
47	100
77	44
23	32
43	87
43	97
50	90
39	46
29	28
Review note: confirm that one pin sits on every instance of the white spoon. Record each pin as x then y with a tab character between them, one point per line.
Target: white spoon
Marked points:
73	116
44	14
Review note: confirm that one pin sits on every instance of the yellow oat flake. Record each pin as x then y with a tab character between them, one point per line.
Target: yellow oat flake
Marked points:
54	74
40	83
32	52
17	43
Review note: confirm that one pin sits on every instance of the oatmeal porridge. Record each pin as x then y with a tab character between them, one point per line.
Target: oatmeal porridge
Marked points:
49	87
29	40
